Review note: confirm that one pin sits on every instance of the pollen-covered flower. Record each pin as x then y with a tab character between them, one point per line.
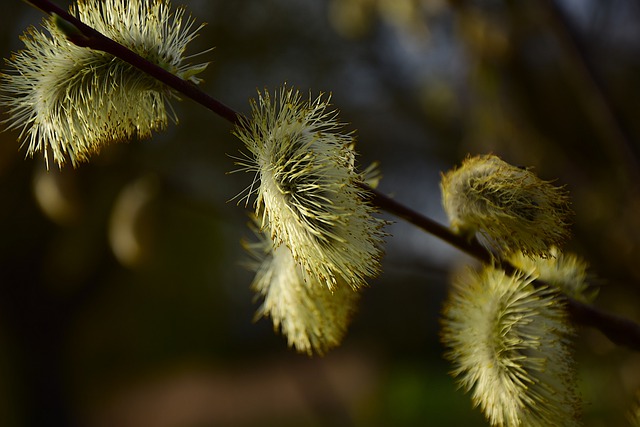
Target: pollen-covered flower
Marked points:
69	101
308	195
565	271
509	208
313	317
509	343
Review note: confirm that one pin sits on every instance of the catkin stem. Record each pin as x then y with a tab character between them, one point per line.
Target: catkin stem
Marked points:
619	330
386	203
97	41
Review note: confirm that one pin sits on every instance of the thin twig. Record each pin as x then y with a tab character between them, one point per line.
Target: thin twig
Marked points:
386	203
98	41
619	330
616	137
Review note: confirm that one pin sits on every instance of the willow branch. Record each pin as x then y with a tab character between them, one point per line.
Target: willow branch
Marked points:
386	203
90	38
619	330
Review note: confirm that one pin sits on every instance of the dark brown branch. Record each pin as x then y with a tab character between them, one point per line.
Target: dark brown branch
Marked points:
386	203
91	38
619	330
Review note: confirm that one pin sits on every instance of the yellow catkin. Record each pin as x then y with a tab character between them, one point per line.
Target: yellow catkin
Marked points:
509	344
508	208
565	271
70	101
307	187
312	317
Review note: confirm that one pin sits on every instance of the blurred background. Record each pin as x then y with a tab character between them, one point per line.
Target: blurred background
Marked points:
123	299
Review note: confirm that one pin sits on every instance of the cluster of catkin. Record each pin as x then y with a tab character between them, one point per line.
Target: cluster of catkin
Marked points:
508	334
318	239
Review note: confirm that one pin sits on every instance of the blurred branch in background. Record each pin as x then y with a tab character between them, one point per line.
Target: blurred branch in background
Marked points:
599	104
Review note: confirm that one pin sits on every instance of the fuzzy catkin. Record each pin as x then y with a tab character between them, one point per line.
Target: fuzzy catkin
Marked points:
565	271
308	197
509	343
69	101
312	317
508	208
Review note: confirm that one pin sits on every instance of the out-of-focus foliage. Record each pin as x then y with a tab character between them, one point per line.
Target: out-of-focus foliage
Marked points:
165	330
